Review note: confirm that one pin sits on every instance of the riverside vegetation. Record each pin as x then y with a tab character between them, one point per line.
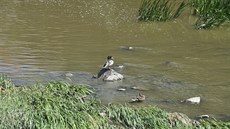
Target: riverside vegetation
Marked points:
209	13
59	105
159	10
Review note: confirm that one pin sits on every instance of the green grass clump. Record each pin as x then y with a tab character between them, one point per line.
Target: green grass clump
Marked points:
142	118
59	105
127	117
154	117
5	82
159	10
55	105
213	124
210	12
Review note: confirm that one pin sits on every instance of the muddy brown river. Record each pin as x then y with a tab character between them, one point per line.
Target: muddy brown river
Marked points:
42	40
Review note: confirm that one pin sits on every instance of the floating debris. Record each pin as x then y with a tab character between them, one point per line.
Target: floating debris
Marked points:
120	66
204	116
129	48
139	88
193	100
134	87
121	89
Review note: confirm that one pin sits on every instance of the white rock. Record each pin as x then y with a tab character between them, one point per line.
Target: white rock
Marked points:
68	74
112	75
130	48
134	99
121	89
134	87
204	116
193	100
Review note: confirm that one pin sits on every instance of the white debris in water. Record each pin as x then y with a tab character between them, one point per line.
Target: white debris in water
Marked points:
130	48
193	100
134	87
134	99
121	89
204	116
68	74
120	66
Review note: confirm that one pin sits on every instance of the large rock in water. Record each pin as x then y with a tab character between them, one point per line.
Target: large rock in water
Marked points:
112	75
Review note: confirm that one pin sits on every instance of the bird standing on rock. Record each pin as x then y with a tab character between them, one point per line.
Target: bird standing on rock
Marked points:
109	62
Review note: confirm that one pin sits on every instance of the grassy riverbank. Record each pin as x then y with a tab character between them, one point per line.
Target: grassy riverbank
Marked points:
59	105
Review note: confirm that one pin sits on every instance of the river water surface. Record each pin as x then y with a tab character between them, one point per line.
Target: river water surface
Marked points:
43	40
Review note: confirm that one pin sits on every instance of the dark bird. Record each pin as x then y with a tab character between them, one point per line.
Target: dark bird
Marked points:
109	62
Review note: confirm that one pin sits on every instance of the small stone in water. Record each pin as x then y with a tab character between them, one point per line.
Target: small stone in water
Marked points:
134	87
204	116
193	100
121	89
120	66
134	99
130	48
69	74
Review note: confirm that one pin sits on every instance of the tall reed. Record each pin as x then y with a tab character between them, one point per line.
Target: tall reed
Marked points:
159	10
210	12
